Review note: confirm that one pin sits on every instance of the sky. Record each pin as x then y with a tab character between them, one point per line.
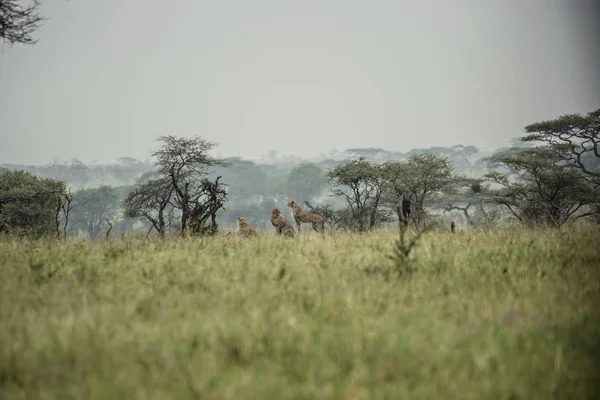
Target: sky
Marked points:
302	77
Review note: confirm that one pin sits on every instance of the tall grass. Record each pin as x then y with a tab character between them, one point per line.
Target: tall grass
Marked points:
511	314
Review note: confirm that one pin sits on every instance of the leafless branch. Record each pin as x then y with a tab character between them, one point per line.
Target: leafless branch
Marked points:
18	22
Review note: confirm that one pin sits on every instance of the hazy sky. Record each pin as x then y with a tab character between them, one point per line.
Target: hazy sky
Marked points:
302	77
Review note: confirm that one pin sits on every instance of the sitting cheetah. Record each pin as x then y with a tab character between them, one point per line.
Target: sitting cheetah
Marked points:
282	225
245	228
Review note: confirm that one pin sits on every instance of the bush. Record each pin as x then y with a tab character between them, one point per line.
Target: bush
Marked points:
29	205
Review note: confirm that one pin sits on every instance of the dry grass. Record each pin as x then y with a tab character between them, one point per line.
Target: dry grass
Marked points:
498	315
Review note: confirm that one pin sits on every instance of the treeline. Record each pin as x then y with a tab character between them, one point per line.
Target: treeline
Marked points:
549	176
126	170
78	175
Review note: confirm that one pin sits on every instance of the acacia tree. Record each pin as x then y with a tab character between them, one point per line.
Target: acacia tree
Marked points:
18	22
574	139
472	201
544	192
360	183
417	182
395	189
461	157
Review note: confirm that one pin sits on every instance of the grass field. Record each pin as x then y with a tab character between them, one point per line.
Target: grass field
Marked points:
513	314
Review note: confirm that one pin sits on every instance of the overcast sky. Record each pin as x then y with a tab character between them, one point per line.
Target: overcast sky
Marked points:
303	77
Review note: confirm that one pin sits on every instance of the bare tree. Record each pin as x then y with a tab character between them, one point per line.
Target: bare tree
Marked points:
66	206
180	188
464	209
187	162
472	202
148	200
18	22
203	213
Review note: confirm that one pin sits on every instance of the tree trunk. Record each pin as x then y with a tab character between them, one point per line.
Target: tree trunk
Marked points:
403	210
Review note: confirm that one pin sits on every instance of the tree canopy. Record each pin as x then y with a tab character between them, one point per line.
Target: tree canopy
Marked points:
359	182
574	139
543	191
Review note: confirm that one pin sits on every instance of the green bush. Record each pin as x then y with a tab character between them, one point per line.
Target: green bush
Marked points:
29	205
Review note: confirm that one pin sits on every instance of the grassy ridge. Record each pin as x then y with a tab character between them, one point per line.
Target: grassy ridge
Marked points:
499	315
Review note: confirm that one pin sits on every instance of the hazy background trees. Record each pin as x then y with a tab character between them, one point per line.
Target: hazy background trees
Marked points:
306	182
92	209
550	175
